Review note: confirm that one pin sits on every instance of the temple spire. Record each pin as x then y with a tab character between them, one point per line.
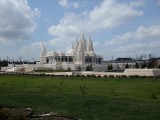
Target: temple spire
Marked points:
43	54
80	54
43	51
83	35
90	46
76	46
84	43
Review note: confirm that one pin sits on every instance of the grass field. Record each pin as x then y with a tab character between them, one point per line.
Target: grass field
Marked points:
84	98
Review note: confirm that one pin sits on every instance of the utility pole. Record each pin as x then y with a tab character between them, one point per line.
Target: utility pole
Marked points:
20	59
7	58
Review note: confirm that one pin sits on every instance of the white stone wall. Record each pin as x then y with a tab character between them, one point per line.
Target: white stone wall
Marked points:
96	67
127	72
100	67
142	72
99	73
59	73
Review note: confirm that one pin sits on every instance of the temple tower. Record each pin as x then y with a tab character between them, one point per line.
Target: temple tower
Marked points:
43	54
84	43
80	54
90	46
76	46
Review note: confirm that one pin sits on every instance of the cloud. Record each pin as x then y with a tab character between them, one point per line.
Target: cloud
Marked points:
66	4
107	15
142	41
16	20
60	44
111	13
151	33
37	13
31	50
158	2
95	44
131	50
141	34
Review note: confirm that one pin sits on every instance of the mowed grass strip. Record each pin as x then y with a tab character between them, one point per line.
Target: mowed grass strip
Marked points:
84	98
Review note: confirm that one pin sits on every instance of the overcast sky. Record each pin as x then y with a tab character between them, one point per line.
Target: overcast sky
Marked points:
118	28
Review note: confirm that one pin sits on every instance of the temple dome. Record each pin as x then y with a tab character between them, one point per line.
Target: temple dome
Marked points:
91	53
61	53
52	53
70	52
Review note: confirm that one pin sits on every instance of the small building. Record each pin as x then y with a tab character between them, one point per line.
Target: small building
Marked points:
121	63
155	62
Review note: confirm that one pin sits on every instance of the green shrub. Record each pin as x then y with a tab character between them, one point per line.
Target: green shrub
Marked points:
66	75
77	75
79	68
87	68
88	76
157	76
72	76
109	67
136	66
111	76
68	69
94	76
98	76
123	76
134	76
143	76
127	66
105	76
83	76
118	76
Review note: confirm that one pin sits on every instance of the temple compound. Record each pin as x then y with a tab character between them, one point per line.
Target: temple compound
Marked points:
83	61
81	58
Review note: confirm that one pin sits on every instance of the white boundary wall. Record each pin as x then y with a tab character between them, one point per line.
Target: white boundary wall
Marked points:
59	73
127	72
142	72
99	73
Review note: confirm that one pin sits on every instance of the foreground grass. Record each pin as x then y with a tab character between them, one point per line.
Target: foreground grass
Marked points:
85	98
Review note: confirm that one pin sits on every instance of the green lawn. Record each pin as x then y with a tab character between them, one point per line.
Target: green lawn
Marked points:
84	98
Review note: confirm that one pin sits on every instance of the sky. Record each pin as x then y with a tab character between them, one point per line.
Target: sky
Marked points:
118	28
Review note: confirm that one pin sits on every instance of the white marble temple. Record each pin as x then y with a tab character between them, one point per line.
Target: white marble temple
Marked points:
82	55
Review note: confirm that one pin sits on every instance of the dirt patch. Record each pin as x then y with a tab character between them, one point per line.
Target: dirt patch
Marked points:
7	113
